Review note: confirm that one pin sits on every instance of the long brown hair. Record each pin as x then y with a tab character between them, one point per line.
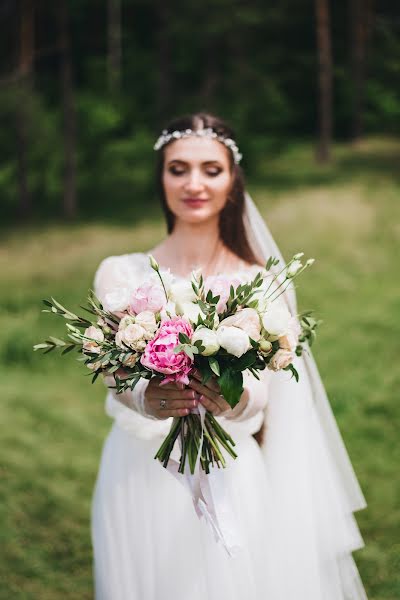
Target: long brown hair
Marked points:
231	226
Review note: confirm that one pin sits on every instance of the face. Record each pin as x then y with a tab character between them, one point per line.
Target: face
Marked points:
196	178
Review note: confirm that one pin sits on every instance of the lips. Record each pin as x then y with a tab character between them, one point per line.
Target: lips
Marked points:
195	202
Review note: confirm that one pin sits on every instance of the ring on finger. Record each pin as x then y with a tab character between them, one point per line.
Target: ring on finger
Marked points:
163	403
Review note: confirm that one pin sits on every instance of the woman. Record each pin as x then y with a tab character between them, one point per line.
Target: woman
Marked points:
291	495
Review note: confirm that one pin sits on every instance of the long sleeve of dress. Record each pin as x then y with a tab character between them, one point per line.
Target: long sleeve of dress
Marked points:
114	277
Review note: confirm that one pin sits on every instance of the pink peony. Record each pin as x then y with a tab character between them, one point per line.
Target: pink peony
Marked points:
159	354
147	297
220	285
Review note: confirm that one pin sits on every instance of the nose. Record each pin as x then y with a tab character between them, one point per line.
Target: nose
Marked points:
194	183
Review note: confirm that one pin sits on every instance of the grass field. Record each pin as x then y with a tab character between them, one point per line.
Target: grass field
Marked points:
52	421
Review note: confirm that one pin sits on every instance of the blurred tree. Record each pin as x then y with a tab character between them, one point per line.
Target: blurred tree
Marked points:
114	46
164	65
23	102
68	101
325	79
361	25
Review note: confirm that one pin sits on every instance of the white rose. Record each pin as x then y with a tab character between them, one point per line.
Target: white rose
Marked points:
246	319
96	334
117	300
276	320
234	340
208	339
125	321
182	291
281	359
132	336
130	361
147	320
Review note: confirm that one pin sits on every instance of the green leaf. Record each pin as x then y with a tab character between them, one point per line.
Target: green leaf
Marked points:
214	365
231	384
183	338
40	347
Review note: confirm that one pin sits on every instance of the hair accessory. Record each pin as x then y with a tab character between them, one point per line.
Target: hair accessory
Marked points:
166	137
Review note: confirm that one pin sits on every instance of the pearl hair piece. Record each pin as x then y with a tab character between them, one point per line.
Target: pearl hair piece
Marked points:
166	137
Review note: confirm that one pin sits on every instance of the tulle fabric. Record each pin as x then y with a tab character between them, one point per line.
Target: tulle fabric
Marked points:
292	511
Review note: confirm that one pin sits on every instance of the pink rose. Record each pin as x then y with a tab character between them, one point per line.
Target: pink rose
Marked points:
159	354
96	335
281	359
147	297
220	285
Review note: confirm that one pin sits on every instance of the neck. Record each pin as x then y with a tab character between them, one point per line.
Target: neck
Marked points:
201	243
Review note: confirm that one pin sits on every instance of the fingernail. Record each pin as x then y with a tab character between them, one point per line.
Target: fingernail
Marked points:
195	403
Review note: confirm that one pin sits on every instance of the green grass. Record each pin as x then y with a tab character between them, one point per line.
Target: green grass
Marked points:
346	215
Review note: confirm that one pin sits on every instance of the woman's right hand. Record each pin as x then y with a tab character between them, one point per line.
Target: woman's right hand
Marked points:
179	399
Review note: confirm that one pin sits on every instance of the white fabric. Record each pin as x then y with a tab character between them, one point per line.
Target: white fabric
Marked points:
290	500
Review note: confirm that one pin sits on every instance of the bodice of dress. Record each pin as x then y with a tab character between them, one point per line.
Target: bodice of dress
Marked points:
118	276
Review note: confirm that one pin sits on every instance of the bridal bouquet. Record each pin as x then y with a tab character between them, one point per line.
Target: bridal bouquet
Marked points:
219	326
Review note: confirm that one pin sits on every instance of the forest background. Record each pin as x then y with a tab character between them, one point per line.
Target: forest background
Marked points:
312	90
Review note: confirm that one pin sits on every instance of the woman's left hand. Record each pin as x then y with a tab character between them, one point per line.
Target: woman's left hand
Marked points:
209	394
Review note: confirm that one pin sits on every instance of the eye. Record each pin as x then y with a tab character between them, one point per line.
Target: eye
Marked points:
213	172
175	170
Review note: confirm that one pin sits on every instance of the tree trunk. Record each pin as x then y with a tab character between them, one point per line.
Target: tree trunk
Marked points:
164	60
22	117
114	46
325	81
361	21
68	103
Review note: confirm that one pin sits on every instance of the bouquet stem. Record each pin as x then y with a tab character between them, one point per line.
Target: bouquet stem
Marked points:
188	431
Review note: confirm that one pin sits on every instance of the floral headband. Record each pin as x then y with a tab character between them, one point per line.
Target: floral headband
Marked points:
166	137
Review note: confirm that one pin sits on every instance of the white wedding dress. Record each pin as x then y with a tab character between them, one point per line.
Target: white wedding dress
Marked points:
291	512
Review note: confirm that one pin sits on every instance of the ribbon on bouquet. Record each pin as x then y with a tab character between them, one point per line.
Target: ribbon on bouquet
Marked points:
209	497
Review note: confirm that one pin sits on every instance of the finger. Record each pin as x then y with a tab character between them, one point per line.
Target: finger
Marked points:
180	412
188	394
176	404
209	405
215	397
212	383
168	386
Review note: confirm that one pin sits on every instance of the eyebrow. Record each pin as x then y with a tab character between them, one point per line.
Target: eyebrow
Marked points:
205	162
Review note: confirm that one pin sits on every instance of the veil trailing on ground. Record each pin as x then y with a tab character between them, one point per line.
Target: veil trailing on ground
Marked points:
307	463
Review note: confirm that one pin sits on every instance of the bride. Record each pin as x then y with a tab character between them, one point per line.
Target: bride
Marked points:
292	490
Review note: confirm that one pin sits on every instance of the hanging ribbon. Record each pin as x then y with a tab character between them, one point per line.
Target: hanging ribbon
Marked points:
208	492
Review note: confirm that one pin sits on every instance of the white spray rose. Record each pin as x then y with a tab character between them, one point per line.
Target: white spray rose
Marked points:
132	336
208	339
96	334
147	320
281	359
291	339
246	319
276	320
234	340
125	321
